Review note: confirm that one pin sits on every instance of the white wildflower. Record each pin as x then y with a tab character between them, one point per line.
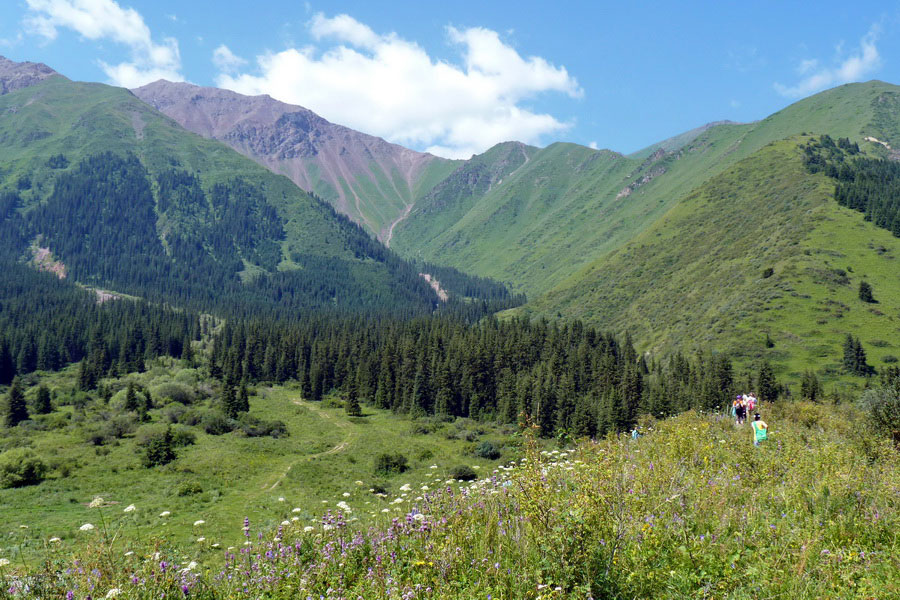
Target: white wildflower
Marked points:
191	566
129	553
164	514
327	527
358	482
97	503
294	519
113	593
201	539
281	499
405	487
4	562
86	527
346	494
54	540
419	517
285	522
130	508
297	510
308	528
199	522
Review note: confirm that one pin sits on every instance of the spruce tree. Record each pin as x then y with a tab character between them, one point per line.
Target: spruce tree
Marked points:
810	388
159	449
865	292
243	399
42	404
7	367
765	383
229	401
16	409
131	401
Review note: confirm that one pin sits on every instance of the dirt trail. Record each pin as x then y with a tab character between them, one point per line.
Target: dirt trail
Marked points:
349	437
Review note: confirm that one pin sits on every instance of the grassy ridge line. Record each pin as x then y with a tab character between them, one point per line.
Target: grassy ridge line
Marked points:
690	510
552	218
695	278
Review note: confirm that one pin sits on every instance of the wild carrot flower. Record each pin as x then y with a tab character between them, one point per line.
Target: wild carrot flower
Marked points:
86	527
164	514
130	508
96	503
199	522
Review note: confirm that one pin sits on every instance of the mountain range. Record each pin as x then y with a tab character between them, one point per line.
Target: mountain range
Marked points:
669	243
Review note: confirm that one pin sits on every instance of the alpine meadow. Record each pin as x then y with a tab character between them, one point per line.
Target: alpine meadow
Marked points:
247	352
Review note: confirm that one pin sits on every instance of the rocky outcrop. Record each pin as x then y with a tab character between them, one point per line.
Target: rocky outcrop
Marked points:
17	75
361	175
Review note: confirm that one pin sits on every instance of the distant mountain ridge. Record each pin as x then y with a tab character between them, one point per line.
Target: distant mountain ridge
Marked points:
17	75
363	176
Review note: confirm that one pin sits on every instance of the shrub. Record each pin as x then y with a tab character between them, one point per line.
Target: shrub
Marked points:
882	406
173	392
889	359
216	423
253	427
20	467
768	272
189	488
390	464
158	449
182	436
487	450
463	473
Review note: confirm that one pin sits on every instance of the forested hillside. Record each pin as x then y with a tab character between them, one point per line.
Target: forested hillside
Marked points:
114	194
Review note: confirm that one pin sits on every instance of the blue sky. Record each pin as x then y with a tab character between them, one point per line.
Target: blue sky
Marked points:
456	77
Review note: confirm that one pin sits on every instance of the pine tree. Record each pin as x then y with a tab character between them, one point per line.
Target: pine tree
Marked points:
187	352
243	399
42	404
229	401
865	292
810	388
765	383
159	449
352	405
16	409
131	401
7	367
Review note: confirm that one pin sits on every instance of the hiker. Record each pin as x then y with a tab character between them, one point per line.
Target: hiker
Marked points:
734	406
741	411
760	430
751	402
635	434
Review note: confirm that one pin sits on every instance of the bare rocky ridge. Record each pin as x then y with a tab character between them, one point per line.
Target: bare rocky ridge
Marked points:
17	75
362	176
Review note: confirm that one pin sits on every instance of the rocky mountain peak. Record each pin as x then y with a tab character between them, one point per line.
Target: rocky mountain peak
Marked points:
17	75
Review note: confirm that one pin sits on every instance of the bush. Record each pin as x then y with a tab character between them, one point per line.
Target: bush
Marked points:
889	359
182	436
882	406
189	488
158	449
487	450
216	423
253	427
20	467
463	473
390	464
173	392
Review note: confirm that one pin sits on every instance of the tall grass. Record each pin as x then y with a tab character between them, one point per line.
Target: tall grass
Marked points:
690	510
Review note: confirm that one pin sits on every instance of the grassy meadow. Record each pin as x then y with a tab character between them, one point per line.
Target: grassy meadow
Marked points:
326	457
690	510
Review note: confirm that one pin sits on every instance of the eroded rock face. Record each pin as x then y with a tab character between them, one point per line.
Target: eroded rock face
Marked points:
319	156
17	75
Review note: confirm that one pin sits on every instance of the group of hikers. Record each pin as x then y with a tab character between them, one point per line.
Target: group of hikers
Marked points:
744	404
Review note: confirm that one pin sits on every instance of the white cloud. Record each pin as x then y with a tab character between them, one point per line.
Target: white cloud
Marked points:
593	145
388	86
858	65
226	60
105	19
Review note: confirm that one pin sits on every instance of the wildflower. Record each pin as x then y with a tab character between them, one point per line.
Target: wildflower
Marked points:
294	519
164	514
129	553
199	522
215	545
113	593
130	508
281	499
297	510
86	527
405	487
23	526
96	503
191	566
346	494
4	562
308	528
201	539
358	482
54	540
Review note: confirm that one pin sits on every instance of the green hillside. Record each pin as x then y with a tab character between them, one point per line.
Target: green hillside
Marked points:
118	195
697	277
570	205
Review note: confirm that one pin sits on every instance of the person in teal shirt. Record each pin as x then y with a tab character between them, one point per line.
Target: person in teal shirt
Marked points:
760	430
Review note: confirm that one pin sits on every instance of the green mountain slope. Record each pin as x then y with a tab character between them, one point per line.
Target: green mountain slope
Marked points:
570	205
118	195
697	278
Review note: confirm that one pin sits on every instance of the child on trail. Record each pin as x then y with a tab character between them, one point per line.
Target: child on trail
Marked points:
760	430
751	402
734	406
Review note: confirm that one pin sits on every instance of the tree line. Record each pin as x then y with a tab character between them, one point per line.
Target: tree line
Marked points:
568	377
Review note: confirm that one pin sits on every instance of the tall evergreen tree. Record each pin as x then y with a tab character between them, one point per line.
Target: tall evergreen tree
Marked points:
16	409
42	404
7	367
765	383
